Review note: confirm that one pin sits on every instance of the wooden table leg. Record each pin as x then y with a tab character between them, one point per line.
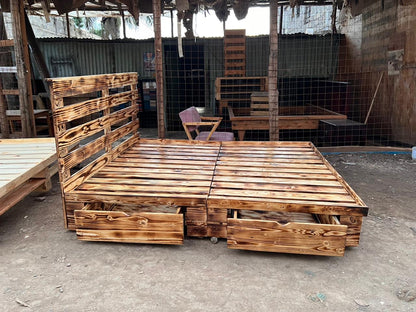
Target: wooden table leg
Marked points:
241	134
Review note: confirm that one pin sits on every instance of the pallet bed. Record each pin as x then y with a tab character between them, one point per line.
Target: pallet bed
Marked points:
26	165
268	196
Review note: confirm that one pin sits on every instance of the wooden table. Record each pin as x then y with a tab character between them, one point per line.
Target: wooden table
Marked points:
41	115
25	165
291	118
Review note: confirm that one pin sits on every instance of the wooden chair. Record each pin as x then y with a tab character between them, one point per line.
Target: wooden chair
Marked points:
191	121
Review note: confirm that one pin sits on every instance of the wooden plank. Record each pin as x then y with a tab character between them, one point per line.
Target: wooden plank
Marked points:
77	110
90	149
81	132
43	160
120	220
69	183
10	91
283	195
18	193
6	43
72	86
131	236
299	238
280	187
291	205
133	198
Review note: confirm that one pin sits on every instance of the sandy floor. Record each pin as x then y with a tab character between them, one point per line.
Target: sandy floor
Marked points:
45	268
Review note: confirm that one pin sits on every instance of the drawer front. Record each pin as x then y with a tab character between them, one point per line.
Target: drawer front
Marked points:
129	227
292	237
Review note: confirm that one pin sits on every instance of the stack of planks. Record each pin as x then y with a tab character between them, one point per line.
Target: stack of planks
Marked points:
269	196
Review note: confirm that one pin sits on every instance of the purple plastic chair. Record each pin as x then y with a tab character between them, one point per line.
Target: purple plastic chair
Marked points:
191	121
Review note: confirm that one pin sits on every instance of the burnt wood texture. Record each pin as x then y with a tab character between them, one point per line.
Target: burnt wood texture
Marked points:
268	196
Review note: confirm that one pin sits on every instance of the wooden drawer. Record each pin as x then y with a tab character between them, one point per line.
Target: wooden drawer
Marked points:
286	232
130	224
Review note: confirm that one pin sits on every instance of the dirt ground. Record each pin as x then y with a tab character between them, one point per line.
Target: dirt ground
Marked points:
45	268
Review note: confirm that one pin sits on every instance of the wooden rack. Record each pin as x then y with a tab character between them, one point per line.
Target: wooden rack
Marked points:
235	53
236	91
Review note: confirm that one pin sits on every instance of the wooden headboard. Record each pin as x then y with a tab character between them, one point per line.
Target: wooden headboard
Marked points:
91	132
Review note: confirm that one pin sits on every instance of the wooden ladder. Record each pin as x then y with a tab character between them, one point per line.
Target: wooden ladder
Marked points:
21	70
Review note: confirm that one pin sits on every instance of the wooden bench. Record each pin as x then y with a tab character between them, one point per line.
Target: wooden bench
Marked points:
146	191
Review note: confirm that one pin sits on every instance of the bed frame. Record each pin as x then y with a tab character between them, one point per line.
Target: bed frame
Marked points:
267	196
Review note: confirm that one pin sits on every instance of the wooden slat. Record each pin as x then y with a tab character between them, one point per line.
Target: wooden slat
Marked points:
299	238
42	151
7	43
8	69
10	91
120	220
18	193
130	236
81	132
75	111
71	86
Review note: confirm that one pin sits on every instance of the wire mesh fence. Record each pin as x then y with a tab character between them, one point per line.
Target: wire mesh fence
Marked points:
325	94
340	77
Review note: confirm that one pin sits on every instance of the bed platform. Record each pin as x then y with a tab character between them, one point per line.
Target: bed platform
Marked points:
266	196
26	165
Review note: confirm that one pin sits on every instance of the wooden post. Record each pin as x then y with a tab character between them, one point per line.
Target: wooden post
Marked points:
123	20
4	125
37	53
3	114
171	24
281	20
157	11
68	30
23	68
273	66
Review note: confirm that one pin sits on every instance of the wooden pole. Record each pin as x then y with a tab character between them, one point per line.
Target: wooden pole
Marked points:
123	20
4	125
37	53
157	11
374	97
68	30
273	66
23	68
171	23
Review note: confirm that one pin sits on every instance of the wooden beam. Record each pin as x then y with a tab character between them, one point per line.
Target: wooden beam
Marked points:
3	114
37	53
23	68
68	30
159	68
273	66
